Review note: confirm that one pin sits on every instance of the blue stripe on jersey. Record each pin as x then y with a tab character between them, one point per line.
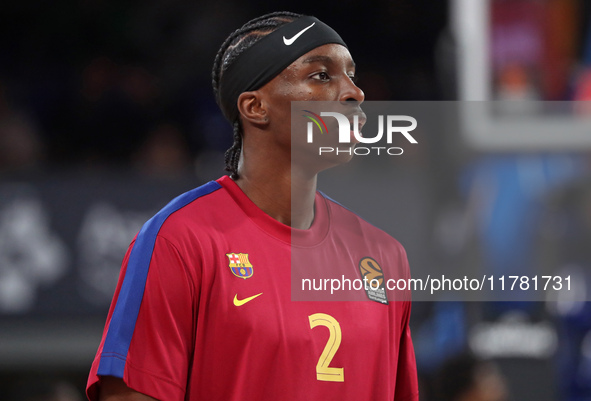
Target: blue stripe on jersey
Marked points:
122	325
325	196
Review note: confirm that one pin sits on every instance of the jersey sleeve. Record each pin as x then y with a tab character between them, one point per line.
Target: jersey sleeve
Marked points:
148	338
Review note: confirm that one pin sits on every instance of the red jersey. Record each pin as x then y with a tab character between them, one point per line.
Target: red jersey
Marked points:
203	309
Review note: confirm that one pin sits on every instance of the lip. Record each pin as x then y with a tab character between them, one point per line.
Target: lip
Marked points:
361	120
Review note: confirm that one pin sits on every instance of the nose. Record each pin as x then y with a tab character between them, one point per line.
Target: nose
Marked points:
351	92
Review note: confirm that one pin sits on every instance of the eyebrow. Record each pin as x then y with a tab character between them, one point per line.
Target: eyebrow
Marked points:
325	59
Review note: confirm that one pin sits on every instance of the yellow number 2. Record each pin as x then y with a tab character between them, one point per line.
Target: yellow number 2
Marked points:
323	371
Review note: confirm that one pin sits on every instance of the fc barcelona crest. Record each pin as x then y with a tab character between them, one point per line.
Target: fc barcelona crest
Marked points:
240	265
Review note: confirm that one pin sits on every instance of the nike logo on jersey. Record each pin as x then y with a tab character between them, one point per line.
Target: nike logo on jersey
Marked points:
289	42
240	302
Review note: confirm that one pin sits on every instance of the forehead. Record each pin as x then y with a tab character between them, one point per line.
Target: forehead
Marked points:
335	54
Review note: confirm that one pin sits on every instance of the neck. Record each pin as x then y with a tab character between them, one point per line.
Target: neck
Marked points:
282	193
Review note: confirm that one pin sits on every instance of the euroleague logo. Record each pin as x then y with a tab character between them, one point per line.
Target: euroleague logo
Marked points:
387	126
372	273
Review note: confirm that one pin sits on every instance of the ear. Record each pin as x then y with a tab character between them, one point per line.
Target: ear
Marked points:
252	108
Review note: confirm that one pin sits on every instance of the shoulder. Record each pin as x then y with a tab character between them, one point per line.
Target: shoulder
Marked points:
343	218
190	213
362	236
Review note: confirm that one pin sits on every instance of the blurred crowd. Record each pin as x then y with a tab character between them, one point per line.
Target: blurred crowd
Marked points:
127	83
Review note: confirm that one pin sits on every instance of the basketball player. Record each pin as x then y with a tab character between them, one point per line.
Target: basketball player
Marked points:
203	310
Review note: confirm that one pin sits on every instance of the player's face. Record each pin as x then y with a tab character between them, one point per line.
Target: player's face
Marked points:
324	74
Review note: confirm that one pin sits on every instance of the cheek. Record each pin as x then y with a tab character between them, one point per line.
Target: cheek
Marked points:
292	86
305	93
290	91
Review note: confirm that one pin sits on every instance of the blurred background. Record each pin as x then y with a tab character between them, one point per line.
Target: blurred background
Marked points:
107	112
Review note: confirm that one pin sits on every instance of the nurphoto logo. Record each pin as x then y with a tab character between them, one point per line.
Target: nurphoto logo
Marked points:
349	131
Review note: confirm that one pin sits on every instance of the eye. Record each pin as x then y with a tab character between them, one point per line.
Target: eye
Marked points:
353	77
321	76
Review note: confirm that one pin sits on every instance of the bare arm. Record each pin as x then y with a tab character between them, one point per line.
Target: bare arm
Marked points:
114	389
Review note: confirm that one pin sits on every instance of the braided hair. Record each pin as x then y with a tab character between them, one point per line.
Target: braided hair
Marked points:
238	41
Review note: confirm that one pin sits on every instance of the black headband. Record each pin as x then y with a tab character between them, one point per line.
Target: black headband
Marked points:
264	60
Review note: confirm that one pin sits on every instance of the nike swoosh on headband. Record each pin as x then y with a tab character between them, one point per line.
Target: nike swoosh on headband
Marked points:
289	42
